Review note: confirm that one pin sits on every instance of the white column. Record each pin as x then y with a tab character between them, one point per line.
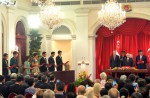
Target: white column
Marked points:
82	37
48	45
0	45
92	56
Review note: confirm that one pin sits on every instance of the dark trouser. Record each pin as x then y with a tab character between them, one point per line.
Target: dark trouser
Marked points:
59	68
5	72
43	69
141	66
52	68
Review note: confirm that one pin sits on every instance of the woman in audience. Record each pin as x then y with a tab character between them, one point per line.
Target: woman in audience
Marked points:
89	93
27	65
103	78
71	88
97	89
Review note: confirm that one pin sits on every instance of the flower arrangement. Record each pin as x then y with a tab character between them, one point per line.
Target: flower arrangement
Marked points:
83	75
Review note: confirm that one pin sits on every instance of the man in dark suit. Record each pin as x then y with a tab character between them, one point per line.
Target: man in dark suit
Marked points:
60	90
39	82
52	81
17	87
59	61
14	62
3	88
5	64
129	61
45	84
51	62
123	58
114	60
43	63
141	61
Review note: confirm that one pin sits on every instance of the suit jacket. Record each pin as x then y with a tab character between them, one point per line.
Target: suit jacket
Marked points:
45	86
114	62
59	60
9	83
51	61
60	96
130	62
43	61
5	66
14	61
141	66
38	83
52	85
4	90
18	89
123	60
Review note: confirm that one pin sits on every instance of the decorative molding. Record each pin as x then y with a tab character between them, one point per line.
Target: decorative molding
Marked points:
83	12
92	37
48	37
73	37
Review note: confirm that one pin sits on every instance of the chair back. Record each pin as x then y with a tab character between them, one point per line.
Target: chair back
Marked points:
28	95
12	95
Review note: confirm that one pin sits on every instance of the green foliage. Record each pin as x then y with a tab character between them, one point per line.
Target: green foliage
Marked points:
78	82
35	42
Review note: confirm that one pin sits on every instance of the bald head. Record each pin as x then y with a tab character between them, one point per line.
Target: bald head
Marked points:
113	93
81	90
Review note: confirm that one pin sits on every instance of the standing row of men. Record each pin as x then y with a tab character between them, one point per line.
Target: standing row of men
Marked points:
32	64
127	60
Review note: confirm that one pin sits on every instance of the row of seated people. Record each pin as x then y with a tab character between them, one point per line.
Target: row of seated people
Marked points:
105	87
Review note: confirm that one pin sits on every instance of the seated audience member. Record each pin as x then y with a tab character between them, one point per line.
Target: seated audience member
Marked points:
147	79
132	77
59	89
113	93
121	84
49	94
97	89
39	82
17	87
81	96
90	93
89	82
81	90
39	93
123	78
71	95
124	92
136	95
130	88
44	84
103	92
13	77
3	88
103	77
19	96
105	96
52	82
141	82
25	84
71	88
108	86
31	88
97	81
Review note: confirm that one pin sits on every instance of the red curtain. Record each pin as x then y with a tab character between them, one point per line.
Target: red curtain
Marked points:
134	34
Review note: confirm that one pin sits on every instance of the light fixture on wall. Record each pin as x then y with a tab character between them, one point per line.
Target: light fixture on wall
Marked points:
8	2
111	15
51	16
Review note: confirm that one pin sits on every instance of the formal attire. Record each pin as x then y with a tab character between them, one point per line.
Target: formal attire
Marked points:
9	83
59	63
14	63
52	85
27	66
44	86
35	68
25	85
123	60
18	89
114	61
5	67
4	90
141	64
60	95
38	83
30	90
43	63
130	62
51	62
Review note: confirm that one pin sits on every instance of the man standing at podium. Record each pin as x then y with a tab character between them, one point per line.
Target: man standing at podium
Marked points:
114	60
123	58
51	62
59	61
141	61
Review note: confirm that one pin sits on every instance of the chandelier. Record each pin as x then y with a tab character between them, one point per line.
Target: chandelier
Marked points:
51	16
111	15
7	2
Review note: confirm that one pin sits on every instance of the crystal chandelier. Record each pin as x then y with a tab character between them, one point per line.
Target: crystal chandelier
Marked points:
111	15
8	2
51	15
41	2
